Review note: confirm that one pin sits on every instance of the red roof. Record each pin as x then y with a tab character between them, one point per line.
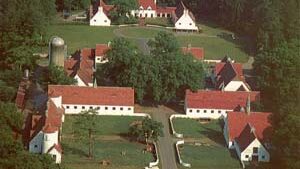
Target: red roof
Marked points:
238	67
246	137
229	100
117	96
168	10
81	64
53	117
101	49
198	53
146	3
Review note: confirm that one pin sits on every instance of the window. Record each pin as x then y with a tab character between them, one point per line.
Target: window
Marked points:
91	107
246	156
114	108
140	15
129	108
98	108
219	111
151	15
68	107
105	21
121	108
83	107
190	23
263	157
179	23
204	111
146	15
98	58
106	108
191	111
255	150
54	156
94	20
163	15
35	146
168	15
75	107
212	111
198	111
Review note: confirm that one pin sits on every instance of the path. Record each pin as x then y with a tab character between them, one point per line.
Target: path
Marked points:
165	144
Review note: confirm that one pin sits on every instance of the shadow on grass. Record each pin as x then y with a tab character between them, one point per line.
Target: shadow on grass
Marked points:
177	106
74	150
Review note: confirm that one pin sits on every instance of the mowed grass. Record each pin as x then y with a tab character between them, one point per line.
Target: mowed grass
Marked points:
107	125
140	32
81	36
209	157
75	155
194	129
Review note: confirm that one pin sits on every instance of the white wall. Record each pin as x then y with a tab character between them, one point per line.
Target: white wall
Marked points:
113	110
79	81
185	22
55	154
57	101
261	152
36	144
235	85
100	19
229	143
49	140
144	13
207	113
99	59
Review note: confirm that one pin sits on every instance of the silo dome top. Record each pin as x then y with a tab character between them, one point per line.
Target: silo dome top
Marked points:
57	41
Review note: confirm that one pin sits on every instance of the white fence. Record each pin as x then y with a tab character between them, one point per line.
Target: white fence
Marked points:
178	154
179	135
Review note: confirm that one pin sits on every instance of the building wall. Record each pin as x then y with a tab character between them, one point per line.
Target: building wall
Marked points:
79	81
144	13
57	101
235	85
101	109
49	140
99	59
207	113
185	22
261	152
100	19
36	144
229	143
55	154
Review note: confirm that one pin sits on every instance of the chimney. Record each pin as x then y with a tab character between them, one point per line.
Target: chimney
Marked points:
155	2
248	105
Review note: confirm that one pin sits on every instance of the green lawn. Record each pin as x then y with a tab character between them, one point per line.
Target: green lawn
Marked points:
75	155
194	129
108	125
216	42
209	157
80	36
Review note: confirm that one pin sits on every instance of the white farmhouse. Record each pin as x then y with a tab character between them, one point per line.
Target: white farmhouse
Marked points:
146	9
215	104
81	66
184	18
105	100
99	14
249	134
228	76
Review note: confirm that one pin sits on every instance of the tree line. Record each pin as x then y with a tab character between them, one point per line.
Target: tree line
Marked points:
161	76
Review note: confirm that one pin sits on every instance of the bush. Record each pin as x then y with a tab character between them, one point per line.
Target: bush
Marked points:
166	22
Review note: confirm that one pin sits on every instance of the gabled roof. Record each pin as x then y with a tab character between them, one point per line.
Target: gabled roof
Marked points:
227	72
246	137
101	3
81	64
228	100
238	121
114	96
181	9
101	49
168	10
147	3
198	53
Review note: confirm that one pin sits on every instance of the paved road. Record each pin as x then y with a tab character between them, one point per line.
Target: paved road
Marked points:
165	144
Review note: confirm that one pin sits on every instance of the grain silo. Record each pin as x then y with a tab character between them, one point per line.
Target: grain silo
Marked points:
57	51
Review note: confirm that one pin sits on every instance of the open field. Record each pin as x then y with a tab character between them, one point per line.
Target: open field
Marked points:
75	155
209	157
108	125
216	42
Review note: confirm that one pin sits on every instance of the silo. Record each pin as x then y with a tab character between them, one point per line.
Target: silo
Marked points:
57	51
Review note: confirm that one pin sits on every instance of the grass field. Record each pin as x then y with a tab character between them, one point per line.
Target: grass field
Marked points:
194	129
75	155
216	42
108	125
209	157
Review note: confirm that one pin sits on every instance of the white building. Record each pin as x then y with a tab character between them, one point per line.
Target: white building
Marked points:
105	100
215	104
99	14
249	134
228	76
100	53
184	18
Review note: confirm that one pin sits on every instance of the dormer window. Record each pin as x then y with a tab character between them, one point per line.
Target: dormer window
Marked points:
149	8
141	8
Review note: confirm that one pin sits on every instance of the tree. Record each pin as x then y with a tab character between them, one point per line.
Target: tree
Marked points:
122	12
147	129
85	128
58	76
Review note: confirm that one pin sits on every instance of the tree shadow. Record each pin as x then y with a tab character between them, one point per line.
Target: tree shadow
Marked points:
212	134
74	150
177	106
